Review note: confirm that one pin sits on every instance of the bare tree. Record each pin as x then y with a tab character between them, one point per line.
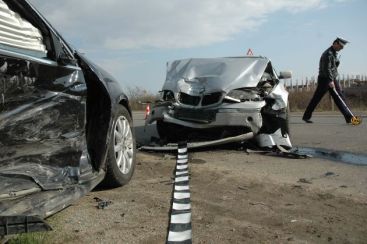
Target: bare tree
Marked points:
139	96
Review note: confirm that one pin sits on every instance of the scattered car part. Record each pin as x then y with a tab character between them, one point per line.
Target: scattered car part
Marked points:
201	144
14	224
102	204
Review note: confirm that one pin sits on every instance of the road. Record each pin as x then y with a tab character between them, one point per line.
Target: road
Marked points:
236	197
329	131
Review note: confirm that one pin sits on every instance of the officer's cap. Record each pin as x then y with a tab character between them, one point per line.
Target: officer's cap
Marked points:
341	41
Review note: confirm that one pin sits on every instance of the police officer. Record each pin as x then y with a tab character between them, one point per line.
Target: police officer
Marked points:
326	81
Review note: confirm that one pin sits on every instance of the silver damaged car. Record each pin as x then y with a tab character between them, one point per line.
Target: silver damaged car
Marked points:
207	98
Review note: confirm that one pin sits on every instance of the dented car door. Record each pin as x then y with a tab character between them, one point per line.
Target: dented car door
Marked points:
65	123
42	117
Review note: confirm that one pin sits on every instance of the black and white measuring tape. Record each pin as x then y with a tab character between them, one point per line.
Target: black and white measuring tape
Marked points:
180	230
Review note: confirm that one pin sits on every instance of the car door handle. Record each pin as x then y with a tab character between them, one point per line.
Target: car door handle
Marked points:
79	89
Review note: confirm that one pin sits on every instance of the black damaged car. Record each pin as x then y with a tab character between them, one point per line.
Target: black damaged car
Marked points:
65	123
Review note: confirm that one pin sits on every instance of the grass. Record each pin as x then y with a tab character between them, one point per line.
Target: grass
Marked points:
31	238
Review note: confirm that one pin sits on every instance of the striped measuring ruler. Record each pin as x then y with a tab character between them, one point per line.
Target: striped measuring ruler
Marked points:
180	229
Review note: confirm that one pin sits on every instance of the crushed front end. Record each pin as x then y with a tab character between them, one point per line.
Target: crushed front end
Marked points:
223	97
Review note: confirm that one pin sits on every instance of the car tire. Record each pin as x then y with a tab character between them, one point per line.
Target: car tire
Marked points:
121	157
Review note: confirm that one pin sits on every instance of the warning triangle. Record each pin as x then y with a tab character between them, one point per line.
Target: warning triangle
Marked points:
249	52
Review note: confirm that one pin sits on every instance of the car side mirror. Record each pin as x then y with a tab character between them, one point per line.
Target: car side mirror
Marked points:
64	59
285	74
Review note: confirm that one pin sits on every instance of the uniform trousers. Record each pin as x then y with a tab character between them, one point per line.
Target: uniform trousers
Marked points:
336	94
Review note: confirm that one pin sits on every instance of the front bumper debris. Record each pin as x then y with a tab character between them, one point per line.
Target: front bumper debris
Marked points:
10	225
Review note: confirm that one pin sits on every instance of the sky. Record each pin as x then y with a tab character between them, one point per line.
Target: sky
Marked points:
134	39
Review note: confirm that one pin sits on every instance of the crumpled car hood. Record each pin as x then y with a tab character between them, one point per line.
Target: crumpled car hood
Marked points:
214	74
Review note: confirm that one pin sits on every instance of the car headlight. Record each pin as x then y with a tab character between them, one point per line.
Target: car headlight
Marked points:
167	95
243	95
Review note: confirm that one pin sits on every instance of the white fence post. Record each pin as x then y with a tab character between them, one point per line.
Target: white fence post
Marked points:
297	85
307	83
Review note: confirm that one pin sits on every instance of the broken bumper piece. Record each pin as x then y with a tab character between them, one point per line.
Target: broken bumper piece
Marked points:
10	225
271	140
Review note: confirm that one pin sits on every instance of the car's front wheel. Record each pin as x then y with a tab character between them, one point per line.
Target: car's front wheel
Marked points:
122	150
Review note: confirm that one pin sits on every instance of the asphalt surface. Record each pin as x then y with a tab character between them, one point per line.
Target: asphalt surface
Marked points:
329	131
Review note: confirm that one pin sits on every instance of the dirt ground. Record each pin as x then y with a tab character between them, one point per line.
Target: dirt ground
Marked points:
236	198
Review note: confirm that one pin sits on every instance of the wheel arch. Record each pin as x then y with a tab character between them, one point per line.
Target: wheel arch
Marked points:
98	118
102	100
124	101
100	111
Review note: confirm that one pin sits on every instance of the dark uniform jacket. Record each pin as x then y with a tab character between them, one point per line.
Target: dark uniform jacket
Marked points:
328	69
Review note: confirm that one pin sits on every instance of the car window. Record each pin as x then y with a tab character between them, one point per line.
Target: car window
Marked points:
18	35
